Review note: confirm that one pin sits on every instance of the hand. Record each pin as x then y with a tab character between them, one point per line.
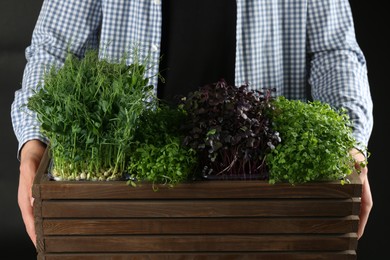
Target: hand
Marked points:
366	199
30	157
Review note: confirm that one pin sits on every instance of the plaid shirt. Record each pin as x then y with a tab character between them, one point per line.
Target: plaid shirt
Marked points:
306	49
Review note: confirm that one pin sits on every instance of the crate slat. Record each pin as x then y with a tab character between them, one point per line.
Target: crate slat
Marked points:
343	255
197	208
199	190
194	243
200	226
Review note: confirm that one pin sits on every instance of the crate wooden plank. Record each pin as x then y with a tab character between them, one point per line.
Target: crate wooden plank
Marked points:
194	243
245	256
200	226
198	190
197	208
343	255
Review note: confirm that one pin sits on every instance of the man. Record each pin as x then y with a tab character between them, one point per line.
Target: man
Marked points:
306	49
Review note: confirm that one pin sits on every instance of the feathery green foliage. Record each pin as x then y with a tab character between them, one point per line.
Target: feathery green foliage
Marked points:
89	110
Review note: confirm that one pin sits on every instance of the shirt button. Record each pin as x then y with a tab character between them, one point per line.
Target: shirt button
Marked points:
157	2
154	48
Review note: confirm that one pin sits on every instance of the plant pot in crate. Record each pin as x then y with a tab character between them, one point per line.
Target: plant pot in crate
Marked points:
217	219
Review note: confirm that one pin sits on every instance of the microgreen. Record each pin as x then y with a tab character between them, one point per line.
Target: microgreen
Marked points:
229	129
315	145
89	109
159	155
104	122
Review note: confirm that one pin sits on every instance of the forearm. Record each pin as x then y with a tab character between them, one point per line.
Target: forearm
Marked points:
31	153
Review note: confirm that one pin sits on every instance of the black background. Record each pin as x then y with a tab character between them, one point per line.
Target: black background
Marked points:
17	19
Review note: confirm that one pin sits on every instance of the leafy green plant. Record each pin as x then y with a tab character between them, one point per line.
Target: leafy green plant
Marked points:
159	155
89	109
315	142
229	129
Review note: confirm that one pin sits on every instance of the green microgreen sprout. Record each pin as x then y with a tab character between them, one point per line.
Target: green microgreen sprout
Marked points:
315	142
88	109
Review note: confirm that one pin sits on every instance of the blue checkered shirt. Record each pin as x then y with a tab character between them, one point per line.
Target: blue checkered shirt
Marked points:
306	49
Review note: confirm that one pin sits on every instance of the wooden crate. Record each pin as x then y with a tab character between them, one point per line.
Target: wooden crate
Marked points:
200	220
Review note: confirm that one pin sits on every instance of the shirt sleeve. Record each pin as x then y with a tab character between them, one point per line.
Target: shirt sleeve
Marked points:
338	71
63	26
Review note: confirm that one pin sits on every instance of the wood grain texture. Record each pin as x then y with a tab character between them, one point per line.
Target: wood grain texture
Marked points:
155	226
200	243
